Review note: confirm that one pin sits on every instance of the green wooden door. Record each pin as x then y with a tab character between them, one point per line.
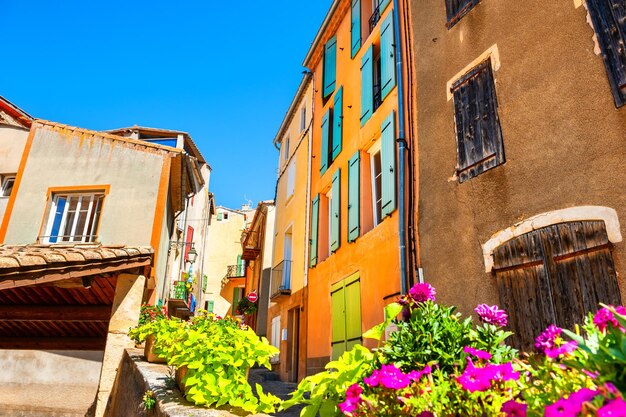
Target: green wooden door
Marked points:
346	315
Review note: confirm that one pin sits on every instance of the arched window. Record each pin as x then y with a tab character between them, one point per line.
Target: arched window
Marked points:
555	274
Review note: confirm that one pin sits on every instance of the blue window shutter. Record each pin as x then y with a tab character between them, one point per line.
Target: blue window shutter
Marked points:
387	57
330	66
355	29
337	122
335	214
354	179
388	165
315	212
383	5
325	138
367	86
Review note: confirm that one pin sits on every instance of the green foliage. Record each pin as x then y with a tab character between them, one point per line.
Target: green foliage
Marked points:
245	306
391	312
323	391
148	400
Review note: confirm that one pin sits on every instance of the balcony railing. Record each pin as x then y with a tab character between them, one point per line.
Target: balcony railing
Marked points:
374	18
281	280
250	244
178	290
235	271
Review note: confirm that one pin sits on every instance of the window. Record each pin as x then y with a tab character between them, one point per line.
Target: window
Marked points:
329	74
334	213
73	218
209	306
479	136
456	9
188	242
6	183
225	216
238	294
609	22
346	315
332	132
275	337
377	184
378	72
286	149
555	274
315	213
291	178
303	118
354	187
382	172
219	216
368	12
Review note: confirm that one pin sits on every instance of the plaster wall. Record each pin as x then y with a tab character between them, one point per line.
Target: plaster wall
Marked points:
67	158
12	143
564	140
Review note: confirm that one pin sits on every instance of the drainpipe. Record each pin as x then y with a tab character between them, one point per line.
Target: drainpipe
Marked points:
401	151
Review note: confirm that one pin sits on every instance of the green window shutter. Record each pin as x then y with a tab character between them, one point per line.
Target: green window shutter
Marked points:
383	5
210	306
387	57
352	295
330	66
315	210
239	265
237	295
354	178
325	137
367	86
338	319
355	29
335	214
219	217
337	122
388	165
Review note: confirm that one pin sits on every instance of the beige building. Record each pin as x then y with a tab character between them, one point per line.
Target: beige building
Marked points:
520	155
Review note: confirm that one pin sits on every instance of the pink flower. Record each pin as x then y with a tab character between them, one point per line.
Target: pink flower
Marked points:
547	339
353	399
503	372
614	408
562	408
422	292
480	354
492	315
475	379
604	317
581	396
512	408
389	377
563	349
416	375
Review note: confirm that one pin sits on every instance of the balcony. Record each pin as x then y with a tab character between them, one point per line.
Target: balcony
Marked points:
177	303
250	244
281	281
374	18
235	271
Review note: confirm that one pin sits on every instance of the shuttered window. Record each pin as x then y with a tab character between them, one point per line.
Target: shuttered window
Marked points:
355	27
387	57
325	138
556	274
335	212
189	242
456	9
354	212
315	214
388	165
367	85
346	315
237	296
609	22
330	67
337	135
479	136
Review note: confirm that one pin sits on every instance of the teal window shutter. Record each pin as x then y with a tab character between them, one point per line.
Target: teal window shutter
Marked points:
330	66
388	165
382	5
315	213
325	138
337	122
355	29
354	179
335	214
367	86
387	57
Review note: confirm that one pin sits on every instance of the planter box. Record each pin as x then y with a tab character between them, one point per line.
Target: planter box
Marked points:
148	351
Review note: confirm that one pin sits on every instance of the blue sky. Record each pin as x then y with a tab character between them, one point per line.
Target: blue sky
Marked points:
223	71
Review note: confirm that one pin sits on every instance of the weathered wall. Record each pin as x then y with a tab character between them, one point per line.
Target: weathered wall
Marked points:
564	140
12	143
67	158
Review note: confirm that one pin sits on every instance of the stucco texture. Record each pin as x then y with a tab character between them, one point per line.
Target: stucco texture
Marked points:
12	142
564	140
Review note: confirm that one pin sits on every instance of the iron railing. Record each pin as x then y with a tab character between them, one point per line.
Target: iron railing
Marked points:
374	18
281	279
235	271
178	290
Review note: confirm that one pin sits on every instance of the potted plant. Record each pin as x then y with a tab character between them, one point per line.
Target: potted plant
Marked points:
150	319
246	307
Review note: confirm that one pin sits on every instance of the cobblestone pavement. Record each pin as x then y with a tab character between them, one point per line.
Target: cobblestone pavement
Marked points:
269	382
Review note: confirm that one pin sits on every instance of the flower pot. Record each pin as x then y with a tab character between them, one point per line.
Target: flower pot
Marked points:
148	351
180	374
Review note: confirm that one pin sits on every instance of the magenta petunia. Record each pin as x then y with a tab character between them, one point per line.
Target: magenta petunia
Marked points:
512	408
562	408
492	315
564	348
475	379
605	318
614	408
353	399
416	375
480	354
503	372
389	376
547	339
422	292
581	396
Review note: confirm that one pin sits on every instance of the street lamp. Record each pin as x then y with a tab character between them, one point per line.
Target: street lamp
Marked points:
192	254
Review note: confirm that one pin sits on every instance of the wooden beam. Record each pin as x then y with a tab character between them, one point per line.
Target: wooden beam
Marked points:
53	343
74	313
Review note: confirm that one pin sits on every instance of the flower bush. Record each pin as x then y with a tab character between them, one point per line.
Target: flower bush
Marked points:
438	363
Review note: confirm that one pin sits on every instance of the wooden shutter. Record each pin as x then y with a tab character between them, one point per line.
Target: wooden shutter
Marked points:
355	28
609	22
330	66
354	178
382	5
556	274
188	242
315	212
338	319
388	165
337	123
335	214
479	137
325	137
353	313
346	315
240	268
387	57
456	9
367	85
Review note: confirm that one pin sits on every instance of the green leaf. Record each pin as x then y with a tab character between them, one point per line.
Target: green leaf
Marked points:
377	332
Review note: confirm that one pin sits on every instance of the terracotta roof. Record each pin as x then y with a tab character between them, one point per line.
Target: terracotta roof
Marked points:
22	117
